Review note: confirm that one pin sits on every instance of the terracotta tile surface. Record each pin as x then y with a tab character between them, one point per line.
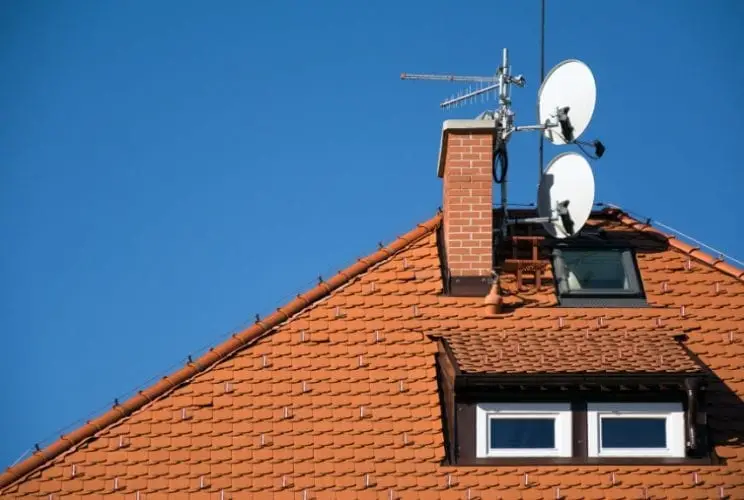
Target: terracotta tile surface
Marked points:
335	396
556	351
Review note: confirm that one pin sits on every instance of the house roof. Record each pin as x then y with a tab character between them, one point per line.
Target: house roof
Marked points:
335	394
559	351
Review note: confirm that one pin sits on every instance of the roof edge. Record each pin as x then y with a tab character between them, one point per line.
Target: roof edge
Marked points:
215	355
692	251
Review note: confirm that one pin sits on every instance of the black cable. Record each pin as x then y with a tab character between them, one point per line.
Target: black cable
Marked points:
581	147
500	158
598	146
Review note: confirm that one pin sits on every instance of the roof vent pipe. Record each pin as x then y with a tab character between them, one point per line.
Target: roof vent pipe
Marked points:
494	301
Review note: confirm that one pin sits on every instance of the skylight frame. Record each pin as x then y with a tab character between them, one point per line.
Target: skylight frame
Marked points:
633	296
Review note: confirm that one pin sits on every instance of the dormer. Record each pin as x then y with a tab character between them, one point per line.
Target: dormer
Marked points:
567	397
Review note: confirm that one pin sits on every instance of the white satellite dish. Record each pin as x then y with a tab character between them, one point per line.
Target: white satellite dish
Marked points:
566	195
570	85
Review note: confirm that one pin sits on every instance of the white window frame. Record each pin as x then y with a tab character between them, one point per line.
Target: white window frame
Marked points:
673	414
561	412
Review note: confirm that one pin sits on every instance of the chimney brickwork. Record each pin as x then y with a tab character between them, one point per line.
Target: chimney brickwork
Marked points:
468	201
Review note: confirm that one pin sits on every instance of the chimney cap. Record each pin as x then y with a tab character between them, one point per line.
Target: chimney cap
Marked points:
459	125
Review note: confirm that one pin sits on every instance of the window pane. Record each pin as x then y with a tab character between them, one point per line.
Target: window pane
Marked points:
522	432
634	433
587	270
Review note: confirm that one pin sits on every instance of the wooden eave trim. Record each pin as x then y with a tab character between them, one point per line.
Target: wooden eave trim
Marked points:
480	380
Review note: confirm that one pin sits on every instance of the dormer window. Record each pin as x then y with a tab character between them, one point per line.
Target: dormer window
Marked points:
597	277
523	429
632	429
564	397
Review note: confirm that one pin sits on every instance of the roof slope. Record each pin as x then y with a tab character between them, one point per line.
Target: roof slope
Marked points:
340	401
204	363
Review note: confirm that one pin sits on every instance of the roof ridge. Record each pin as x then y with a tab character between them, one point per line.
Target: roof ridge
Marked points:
692	251
214	355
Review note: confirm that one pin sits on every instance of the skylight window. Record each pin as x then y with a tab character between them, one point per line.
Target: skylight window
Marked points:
597	276
591	270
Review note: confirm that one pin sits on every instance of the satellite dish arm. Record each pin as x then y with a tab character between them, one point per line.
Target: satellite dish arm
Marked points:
565	216
567	130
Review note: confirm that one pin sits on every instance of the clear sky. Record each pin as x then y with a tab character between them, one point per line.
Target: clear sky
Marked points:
168	169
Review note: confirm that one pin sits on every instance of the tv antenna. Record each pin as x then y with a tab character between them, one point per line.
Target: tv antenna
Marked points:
566	101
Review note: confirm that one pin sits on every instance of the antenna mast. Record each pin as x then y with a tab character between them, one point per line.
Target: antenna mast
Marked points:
503	116
504	119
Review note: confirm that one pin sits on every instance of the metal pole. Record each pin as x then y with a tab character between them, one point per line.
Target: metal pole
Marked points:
542	78
503	116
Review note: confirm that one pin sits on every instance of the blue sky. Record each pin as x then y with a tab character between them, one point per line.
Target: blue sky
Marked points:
169	169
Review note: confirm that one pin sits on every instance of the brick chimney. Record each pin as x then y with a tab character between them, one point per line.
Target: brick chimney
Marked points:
465	164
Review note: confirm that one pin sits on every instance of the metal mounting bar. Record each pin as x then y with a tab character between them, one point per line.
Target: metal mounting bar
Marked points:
523	128
449	78
531	220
